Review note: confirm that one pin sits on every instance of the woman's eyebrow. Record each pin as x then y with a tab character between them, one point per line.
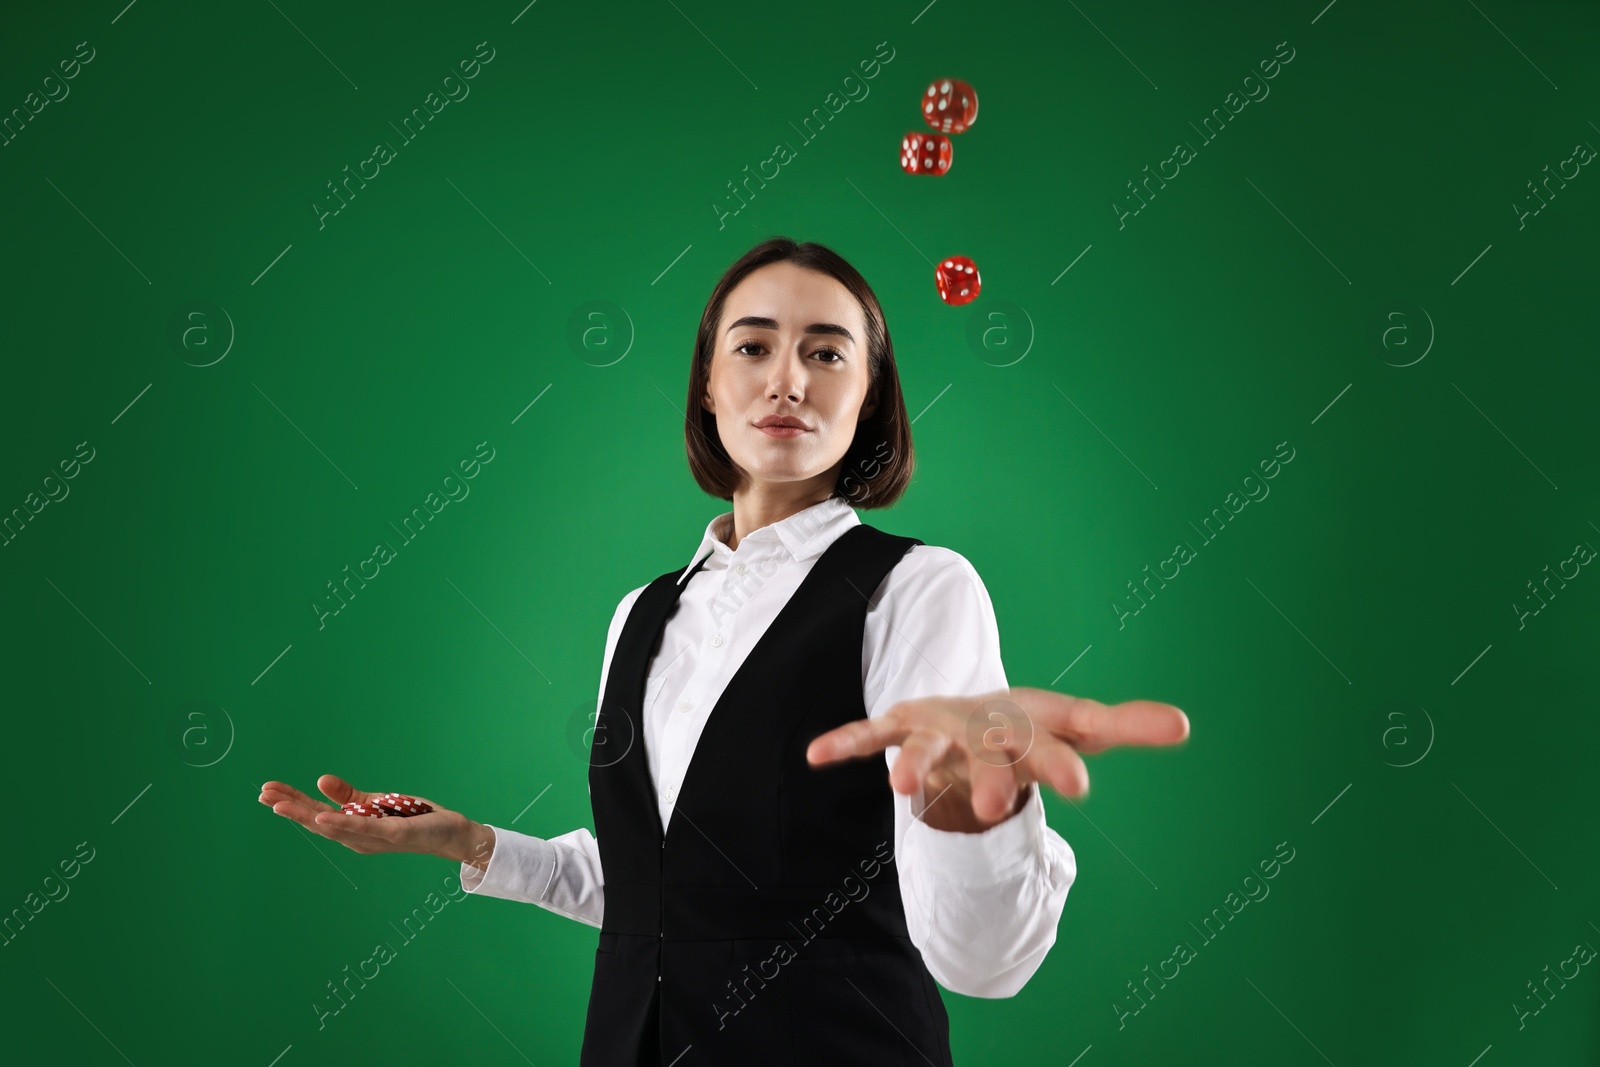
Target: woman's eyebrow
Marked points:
772	324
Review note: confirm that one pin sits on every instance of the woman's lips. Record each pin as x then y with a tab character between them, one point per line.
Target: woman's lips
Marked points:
781	431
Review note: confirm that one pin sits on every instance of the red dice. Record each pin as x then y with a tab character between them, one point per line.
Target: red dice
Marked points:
924	153
950	105
957	280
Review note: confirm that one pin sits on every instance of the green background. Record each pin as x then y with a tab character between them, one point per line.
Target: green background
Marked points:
1358	619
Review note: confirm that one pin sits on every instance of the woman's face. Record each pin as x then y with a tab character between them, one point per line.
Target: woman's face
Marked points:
791	341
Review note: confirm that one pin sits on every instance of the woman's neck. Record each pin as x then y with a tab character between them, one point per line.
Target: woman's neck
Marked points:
764	505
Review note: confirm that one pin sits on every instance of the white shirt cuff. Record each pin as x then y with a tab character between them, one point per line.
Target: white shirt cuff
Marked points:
520	868
988	857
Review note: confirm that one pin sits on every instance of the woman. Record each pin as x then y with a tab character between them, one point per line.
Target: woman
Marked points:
762	895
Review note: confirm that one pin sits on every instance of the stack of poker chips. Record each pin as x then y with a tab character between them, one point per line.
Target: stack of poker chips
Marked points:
390	804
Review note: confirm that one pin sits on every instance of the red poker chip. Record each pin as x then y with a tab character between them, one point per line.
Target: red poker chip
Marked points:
402	804
369	811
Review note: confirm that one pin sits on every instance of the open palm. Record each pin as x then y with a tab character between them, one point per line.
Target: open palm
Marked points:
431	834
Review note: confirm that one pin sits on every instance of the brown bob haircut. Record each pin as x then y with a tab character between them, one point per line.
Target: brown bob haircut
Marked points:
878	464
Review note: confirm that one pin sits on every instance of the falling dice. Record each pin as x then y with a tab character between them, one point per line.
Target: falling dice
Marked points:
950	106
957	280
924	153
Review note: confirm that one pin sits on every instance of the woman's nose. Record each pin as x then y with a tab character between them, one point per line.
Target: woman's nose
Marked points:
787	378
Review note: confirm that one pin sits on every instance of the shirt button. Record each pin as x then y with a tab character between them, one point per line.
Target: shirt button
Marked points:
685	706
716	642
741	568
670	793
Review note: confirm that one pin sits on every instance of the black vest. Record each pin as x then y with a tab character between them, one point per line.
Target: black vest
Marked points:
764	925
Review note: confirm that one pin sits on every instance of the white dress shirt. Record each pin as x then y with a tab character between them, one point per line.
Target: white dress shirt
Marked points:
981	907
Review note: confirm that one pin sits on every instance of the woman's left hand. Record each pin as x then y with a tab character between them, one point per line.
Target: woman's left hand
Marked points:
976	757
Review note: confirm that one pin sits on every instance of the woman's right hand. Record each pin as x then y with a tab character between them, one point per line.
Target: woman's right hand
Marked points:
441	832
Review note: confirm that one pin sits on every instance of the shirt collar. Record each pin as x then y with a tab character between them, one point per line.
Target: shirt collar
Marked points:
804	534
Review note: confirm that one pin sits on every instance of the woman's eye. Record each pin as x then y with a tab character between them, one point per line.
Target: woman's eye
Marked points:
838	357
